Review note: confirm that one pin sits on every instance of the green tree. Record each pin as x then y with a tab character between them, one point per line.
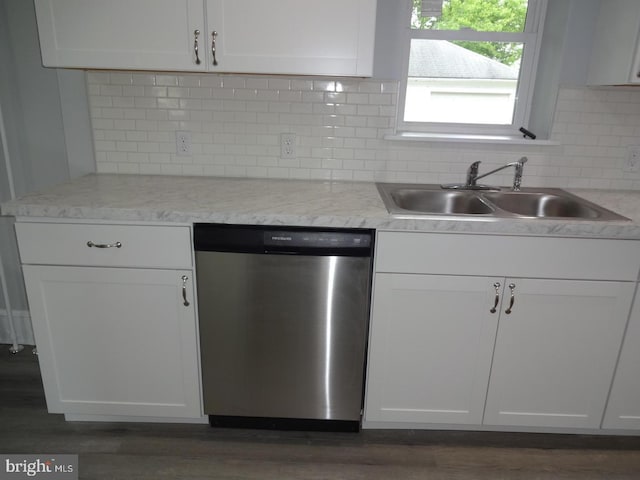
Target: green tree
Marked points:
480	15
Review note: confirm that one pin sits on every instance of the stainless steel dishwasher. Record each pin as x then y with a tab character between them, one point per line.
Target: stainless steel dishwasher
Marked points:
283	317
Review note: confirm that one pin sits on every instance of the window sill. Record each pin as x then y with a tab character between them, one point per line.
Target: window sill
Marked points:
465	138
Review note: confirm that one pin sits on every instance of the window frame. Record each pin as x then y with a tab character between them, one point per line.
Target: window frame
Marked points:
531	38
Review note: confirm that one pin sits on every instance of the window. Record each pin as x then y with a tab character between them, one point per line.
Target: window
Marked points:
470	66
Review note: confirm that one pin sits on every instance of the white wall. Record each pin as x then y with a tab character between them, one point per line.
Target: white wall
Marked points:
46	109
42	147
13	120
78	136
48	134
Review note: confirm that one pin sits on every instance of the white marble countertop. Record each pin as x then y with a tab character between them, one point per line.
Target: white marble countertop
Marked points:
149	198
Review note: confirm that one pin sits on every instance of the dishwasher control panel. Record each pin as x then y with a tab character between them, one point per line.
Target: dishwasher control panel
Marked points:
283	238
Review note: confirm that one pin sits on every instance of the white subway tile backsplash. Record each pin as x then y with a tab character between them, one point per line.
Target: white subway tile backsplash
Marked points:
148	147
178	92
200	92
313	96
133	91
189	80
169	80
99	101
113	135
282	95
133	114
340	124
155	91
137	158
301	84
157	114
104	145
229	82
116	157
143	79
123	102
145	102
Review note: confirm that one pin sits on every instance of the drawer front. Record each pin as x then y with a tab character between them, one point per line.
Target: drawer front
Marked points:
111	245
511	256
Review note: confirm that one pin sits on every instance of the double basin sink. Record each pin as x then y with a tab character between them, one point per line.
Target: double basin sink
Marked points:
408	200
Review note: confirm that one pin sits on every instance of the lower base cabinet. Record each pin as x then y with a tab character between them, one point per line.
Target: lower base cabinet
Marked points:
431	345
115	341
623	409
432	350
454	342
556	353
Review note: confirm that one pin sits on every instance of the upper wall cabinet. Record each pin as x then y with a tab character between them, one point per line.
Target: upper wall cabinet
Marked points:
615	58
121	34
332	37
307	37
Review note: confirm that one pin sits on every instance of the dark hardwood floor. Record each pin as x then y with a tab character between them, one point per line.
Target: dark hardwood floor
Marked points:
163	451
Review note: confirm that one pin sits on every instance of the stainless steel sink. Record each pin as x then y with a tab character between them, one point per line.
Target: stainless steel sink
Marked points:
410	200
534	204
440	201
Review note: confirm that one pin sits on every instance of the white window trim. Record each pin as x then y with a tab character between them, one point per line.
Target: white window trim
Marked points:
531	37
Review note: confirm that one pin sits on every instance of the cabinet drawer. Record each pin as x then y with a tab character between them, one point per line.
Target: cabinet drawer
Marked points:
140	246
537	257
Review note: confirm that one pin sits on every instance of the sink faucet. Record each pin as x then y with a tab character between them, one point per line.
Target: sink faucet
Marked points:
473	177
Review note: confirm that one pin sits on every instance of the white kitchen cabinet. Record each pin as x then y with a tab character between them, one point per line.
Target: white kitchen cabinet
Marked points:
615	56
431	353
331	37
305	37
623	408
121	34
431	345
556	352
112	340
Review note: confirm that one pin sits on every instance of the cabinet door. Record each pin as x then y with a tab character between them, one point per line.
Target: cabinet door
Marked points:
432	339
556	352
115	341
331	37
623	409
615	57
124	34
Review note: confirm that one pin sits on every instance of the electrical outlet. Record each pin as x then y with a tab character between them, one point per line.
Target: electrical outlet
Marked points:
632	162
287	145
183	143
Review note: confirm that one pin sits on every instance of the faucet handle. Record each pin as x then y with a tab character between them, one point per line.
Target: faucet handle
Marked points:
517	178
472	174
474	167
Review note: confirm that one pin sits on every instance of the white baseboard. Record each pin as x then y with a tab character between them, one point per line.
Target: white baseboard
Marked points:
21	324
69	417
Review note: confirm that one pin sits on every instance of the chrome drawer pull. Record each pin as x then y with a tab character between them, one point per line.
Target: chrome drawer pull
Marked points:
497	300
195	45
185	302
512	287
214	34
104	245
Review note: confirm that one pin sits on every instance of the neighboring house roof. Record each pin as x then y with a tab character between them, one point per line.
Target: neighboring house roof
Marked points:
442	59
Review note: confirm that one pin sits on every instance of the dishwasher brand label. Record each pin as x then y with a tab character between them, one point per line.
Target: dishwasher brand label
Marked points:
282	238
54	467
